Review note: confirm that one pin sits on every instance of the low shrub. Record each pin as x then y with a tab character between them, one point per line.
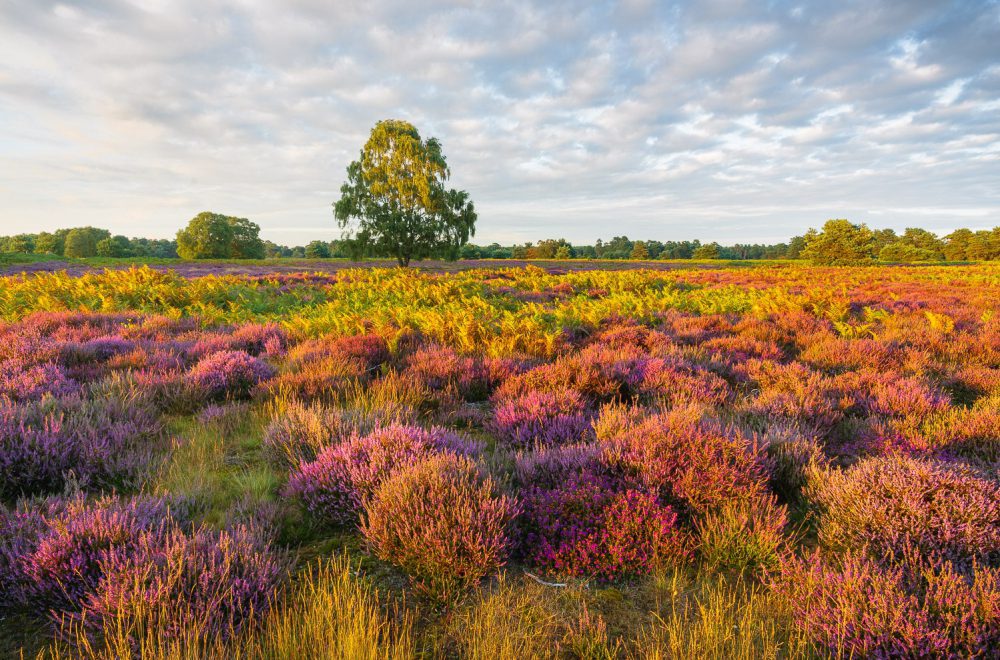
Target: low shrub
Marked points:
894	505
442	521
229	375
300	431
590	526
541	418
743	534
861	609
64	546
690	460
335	486
213	581
92	444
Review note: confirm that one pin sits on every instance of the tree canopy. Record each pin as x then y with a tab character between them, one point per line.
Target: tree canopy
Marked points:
216	236
395	201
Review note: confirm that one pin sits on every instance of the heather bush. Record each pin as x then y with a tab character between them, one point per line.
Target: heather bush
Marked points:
214	581
591	526
861	609
20	382
743	534
335	486
92	443
228	375
793	460
892	506
541	418
443	370
690	460
300	431
442	521
64	546
548	467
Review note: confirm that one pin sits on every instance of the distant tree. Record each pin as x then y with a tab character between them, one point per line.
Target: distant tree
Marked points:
246	242
639	251
207	236
903	252
82	241
956	244
216	236
881	238
395	201
115	246
654	248
24	243
840	243
985	245
317	250
46	243
563	252
707	251
795	247
470	251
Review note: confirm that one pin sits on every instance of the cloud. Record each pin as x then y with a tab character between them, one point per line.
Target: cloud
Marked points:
728	120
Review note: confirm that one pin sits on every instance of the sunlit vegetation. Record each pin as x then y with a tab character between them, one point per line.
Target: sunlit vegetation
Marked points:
774	461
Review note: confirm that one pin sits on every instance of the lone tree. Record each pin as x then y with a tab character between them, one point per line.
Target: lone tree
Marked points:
841	243
395	202
216	236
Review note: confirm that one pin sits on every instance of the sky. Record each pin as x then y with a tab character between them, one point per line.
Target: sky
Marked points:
719	120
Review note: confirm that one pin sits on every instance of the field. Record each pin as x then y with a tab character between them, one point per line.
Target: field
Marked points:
679	461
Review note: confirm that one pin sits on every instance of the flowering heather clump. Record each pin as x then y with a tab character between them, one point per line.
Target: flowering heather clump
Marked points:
442	369
215	580
20	382
865	610
548	467
94	443
229	374
888	394
63	552
893	506
689	460
442	522
343	477
795	392
366	352
672	380
302	430
541	418
589	526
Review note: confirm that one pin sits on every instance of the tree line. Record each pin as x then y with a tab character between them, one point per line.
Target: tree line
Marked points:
395	204
216	236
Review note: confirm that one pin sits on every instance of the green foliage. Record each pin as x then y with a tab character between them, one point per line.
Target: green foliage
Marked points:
901	252
394	201
82	241
317	250
216	236
116	246
840	243
708	251
46	243
639	251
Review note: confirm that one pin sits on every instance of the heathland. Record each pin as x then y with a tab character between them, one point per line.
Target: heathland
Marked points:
273	460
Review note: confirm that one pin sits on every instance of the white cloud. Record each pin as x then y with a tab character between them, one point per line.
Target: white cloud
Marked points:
726	120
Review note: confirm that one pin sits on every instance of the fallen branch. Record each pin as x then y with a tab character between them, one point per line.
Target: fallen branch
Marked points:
543	582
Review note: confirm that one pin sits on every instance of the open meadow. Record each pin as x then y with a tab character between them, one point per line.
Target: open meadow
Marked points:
756	462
